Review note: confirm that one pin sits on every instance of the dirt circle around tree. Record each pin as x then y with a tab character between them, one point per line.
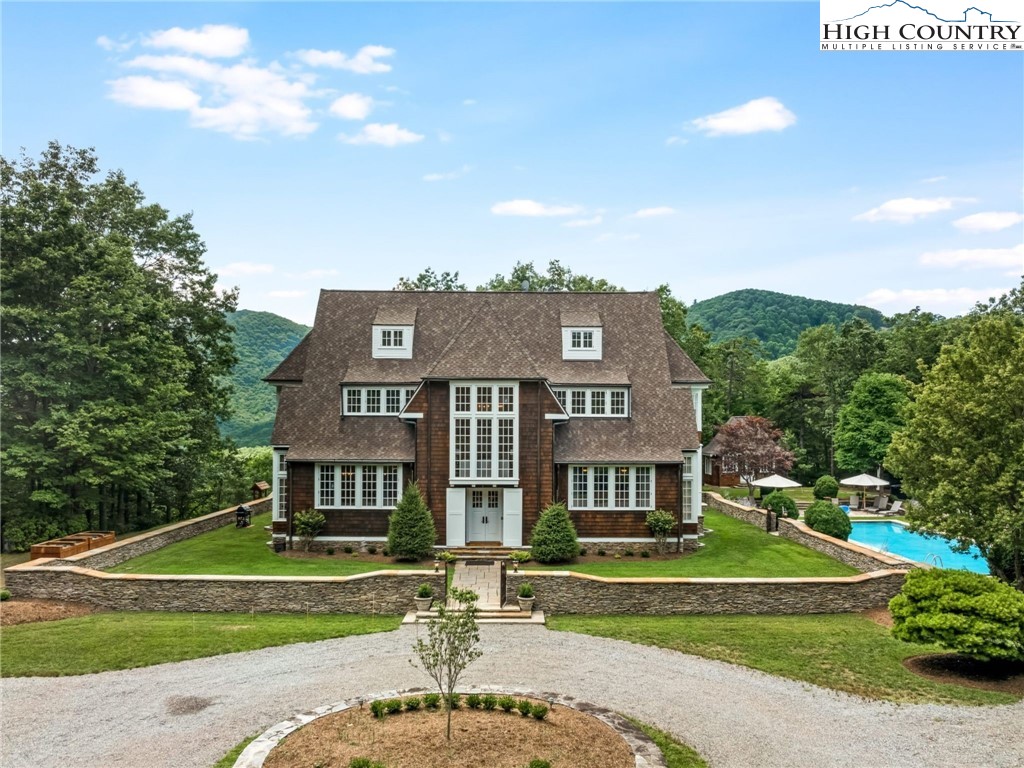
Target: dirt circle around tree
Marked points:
572	735
957	669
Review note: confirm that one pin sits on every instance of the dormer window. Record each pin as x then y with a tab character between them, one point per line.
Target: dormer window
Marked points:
392	341
581	343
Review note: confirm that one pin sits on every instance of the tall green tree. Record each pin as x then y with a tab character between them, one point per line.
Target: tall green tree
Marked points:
912	341
114	347
429	280
868	419
961	454
556	278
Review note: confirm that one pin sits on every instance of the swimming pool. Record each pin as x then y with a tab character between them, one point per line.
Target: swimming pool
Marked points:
895	538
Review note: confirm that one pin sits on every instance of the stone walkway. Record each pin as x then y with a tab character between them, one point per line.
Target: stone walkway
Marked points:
483	579
188	715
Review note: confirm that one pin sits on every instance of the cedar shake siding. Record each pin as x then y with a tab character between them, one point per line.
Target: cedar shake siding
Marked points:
422	344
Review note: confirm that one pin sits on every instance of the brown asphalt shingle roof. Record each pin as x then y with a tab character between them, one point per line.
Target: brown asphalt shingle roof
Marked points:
488	335
293	366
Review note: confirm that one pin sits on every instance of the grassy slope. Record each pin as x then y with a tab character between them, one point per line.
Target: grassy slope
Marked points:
106	641
243	551
847	652
734	549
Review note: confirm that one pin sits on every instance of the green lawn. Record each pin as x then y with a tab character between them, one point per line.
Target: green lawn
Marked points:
677	754
106	641
244	551
847	652
733	549
229	759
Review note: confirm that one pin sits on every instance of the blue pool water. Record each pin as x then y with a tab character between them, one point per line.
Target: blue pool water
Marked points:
895	538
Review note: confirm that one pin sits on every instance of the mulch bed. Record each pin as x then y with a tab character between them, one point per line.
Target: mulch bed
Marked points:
25	611
365	557
1003	677
480	739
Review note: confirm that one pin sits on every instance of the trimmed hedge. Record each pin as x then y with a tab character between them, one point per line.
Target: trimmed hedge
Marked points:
781	504
825	517
826	487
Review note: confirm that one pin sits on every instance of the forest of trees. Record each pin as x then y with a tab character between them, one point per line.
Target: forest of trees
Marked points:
774	319
115	349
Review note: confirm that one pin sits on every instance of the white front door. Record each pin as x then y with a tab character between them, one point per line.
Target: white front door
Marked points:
483	514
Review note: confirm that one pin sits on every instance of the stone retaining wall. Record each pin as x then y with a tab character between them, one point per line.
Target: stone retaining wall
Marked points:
567	592
863	559
387	592
126	549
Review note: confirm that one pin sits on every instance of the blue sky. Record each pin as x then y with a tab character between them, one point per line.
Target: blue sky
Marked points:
711	146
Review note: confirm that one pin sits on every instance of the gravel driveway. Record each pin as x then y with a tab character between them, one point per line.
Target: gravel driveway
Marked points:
191	713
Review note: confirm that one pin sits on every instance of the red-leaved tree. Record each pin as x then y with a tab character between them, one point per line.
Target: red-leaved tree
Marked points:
752	444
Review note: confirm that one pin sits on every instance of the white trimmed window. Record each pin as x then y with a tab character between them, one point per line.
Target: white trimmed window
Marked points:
375	401
484	431
280	484
594	401
582	343
392	341
686	489
611	487
358	486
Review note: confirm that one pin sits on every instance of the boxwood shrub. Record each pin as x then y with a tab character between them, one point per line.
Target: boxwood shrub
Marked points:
825	517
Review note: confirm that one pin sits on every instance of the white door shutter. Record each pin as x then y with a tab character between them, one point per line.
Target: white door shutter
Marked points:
512	526
455	517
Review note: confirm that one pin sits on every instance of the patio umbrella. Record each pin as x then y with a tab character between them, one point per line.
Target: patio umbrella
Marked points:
775	481
864	481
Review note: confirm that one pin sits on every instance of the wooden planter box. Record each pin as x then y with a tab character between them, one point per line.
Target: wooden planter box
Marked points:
73	544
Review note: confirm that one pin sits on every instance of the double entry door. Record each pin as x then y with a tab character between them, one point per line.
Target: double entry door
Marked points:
484	514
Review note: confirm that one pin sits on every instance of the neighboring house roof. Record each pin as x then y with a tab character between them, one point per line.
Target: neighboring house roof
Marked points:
481	335
714	446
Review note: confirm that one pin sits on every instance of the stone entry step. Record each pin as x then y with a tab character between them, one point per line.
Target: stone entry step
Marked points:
507	615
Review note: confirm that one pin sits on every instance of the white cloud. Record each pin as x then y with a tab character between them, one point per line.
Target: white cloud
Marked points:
352	106
933	179
977	258
149	93
107	44
449	175
243	99
650	213
533	208
954	299
990	221
286	294
766	114
906	209
672	141
584	222
389	135
211	40
468	102
365	62
244	268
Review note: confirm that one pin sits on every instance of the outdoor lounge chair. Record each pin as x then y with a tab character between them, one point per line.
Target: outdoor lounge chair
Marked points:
854	501
895	508
881	503
835	501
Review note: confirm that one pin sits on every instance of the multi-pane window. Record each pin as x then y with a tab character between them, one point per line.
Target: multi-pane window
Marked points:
358	485
594	401
477	499
609	487
687	487
618	402
484	431
582	339
326	486
392	337
492	499
280	485
462	445
376	401
484	447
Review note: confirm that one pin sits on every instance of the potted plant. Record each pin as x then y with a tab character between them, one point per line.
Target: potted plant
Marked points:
424	597
525	596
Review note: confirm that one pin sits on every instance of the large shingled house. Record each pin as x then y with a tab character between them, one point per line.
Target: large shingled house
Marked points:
497	405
